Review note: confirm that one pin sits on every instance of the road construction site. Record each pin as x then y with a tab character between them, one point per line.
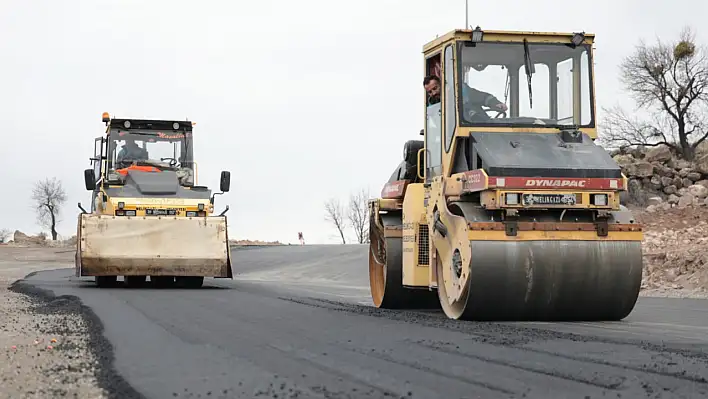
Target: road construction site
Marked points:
298	322
503	261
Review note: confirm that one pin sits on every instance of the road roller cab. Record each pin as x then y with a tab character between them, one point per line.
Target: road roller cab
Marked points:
507	211
148	217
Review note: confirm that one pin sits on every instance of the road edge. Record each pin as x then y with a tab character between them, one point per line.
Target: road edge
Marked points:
106	374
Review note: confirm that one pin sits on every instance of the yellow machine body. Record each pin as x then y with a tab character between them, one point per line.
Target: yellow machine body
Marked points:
514	218
147	216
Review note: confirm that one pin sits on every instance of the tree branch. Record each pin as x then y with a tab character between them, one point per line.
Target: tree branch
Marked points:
48	196
673	78
625	131
359	215
335	215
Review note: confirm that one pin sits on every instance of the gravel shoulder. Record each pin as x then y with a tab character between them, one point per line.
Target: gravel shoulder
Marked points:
675	252
51	346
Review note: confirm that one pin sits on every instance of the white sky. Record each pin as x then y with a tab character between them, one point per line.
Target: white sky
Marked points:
290	96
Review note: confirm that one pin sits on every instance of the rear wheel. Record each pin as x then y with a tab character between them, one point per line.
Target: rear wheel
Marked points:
386	277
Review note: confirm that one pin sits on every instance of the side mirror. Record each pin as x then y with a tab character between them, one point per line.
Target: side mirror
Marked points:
225	181
89	179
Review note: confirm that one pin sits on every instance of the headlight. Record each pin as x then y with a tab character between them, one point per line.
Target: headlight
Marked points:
121	212
578	38
512	198
600	199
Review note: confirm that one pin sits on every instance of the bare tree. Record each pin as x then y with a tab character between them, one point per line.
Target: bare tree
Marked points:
671	78
335	214
5	235
623	130
358	215
48	196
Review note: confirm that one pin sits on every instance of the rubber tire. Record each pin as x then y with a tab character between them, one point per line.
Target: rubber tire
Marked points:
392	293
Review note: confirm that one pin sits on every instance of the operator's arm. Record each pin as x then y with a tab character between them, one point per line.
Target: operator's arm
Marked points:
120	156
479	97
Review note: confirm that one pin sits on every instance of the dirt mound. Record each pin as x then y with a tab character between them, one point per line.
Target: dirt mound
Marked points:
675	250
20	239
254	242
670	195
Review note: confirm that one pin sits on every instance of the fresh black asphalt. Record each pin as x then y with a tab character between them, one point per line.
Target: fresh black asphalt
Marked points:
296	322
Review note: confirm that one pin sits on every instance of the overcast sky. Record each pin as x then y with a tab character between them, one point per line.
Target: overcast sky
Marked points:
290	96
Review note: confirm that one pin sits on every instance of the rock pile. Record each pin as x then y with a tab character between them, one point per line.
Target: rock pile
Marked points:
660	179
21	238
675	251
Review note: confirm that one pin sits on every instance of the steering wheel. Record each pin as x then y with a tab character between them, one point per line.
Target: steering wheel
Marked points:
499	113
173	162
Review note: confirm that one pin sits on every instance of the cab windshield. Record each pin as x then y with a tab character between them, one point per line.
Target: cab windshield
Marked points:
155	150
558	94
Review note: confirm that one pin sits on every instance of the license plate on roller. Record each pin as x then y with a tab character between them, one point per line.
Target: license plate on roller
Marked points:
549	199
160	212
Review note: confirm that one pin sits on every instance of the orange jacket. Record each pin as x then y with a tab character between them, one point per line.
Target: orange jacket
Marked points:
141	168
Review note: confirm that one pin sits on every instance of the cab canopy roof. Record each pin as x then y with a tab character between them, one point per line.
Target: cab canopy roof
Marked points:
509	36
150	124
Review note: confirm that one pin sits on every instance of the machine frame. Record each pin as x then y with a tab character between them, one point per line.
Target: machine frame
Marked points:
424	213
160	217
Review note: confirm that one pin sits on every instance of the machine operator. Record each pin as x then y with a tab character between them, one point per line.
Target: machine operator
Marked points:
473	99
130	152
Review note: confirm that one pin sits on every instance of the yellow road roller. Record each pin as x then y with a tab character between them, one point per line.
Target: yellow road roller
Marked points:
147	215
507	209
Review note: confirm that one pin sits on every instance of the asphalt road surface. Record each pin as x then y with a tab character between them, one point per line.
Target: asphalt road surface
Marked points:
297	323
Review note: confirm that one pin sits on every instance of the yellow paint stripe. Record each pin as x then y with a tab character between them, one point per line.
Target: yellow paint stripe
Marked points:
478	235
